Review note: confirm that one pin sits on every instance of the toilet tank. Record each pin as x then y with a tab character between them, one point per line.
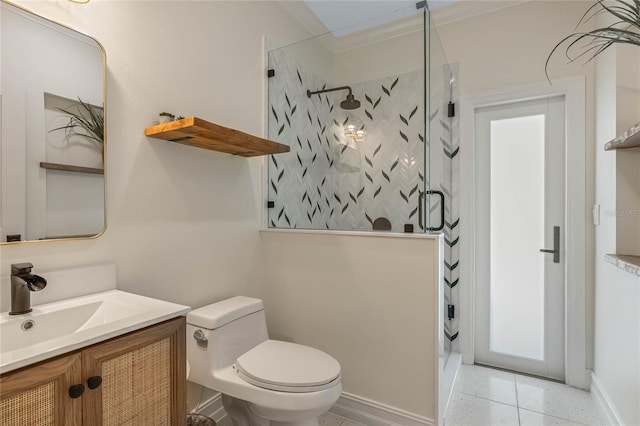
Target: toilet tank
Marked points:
230	327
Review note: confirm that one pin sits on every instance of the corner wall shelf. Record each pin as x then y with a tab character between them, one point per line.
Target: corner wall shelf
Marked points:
69	168
627	140
203	134
630	264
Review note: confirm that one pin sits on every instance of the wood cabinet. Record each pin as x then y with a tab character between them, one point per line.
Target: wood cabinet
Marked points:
38	395
137	379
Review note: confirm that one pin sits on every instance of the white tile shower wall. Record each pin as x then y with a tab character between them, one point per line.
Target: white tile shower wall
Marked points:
451	189
328	181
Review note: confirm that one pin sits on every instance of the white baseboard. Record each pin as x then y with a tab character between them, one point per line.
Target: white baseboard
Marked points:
213	408
603	403
372	413
349	406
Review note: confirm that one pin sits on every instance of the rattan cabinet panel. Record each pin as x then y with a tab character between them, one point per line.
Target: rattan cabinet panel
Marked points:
143	378
39	395
138	379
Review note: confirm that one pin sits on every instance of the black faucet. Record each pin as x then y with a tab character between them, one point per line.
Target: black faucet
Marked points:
23	282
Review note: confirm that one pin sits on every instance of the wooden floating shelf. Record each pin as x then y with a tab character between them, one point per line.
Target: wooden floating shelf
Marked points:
203	134
69	168
629	139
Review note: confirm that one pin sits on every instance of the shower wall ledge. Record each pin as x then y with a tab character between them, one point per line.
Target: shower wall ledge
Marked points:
355	233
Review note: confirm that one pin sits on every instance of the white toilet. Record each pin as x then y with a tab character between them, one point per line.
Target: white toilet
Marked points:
263	382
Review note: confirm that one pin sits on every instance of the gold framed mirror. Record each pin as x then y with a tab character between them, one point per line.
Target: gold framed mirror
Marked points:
53	138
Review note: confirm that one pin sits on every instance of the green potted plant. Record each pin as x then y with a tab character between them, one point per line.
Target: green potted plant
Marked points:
85	120
587	45
166	117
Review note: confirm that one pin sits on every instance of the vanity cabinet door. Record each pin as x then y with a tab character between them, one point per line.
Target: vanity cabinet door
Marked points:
40	395
138	379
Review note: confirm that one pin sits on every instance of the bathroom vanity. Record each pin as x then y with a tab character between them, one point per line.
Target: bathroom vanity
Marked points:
107	357
137	378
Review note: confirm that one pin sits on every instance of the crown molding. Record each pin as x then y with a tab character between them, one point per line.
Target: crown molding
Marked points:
466	9
447	14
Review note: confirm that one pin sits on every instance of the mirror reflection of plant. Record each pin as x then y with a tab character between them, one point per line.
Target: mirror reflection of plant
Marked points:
88	122
587	45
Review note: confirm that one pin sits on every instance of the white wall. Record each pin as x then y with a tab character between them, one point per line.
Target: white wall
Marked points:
617	293
182	222
371	302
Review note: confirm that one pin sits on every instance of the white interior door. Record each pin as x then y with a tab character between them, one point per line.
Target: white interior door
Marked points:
520	199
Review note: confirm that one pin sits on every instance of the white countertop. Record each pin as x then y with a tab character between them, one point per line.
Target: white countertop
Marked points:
64	326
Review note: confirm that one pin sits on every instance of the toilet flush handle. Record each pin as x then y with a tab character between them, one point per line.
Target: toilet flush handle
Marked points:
200	339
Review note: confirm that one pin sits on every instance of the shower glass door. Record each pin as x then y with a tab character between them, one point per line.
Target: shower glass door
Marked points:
440	208
351	104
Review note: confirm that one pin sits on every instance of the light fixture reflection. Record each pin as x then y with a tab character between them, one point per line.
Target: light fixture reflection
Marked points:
354	133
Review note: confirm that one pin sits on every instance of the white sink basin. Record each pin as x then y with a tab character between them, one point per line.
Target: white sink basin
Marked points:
59	327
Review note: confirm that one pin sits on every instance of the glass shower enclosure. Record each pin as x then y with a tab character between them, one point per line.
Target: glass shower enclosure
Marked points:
365	111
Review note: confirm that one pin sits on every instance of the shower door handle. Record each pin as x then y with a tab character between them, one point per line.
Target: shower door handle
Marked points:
420	211
420	201
556	245
441	227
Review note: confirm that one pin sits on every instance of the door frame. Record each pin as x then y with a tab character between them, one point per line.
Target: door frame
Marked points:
573	89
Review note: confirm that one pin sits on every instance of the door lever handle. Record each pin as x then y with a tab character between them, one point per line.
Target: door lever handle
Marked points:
556	245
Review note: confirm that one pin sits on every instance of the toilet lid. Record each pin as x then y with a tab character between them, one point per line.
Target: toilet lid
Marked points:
288	367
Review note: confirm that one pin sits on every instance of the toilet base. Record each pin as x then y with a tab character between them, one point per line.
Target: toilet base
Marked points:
241	415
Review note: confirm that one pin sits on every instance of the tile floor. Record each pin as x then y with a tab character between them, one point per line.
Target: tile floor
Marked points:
484	396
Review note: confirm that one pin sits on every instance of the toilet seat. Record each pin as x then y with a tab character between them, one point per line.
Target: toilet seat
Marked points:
287	367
